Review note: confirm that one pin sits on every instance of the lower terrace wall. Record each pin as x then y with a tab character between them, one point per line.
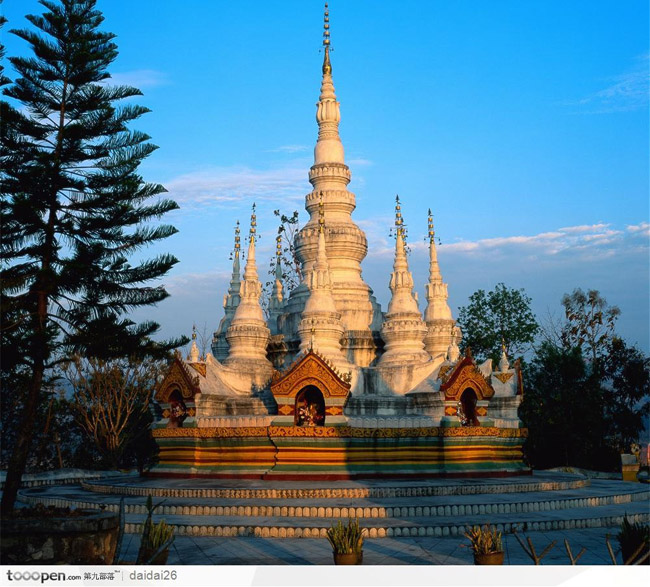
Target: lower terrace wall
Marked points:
339	452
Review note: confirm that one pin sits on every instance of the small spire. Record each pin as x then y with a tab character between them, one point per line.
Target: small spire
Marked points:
327	66
193	356
504	365
321	214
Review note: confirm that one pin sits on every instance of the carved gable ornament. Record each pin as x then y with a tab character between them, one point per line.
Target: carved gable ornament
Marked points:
312	369
178	378
466	375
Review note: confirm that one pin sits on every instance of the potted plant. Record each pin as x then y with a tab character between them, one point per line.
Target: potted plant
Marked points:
347	542
630	538
485	542
156	539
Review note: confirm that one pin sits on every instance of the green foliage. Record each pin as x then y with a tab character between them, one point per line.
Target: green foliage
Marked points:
503	314
587	392
153	535
590	322
563	410
484	539
631	537
626	389
346	539
74	208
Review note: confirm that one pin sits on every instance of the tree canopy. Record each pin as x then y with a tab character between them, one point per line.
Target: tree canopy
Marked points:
501	315
74	207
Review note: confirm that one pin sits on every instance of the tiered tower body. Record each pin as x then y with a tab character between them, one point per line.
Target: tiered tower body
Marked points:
345	242
440	324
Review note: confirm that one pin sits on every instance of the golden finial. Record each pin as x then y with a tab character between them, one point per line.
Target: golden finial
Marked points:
399	222
253	223
327	66
503	344
432	233
321	214
237	238
193	331
278	246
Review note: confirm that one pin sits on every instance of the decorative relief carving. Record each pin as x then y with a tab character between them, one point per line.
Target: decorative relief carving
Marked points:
443	373
465	375
209	432
199	367
503	377
178	378
310	370
286	410
339	432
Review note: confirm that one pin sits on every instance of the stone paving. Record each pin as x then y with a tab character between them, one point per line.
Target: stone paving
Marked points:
189	550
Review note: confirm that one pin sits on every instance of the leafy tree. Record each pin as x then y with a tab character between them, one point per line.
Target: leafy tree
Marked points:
73	209
590	322
563	409
111	401
626	394
503	314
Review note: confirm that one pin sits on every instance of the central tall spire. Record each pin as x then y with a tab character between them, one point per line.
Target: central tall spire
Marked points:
329	148
346	243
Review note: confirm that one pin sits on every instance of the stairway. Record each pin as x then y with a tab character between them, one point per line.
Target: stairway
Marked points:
388	508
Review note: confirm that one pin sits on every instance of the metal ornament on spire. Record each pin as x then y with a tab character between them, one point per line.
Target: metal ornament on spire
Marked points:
253	228
327	66
399	221
237	238
432	233
193	331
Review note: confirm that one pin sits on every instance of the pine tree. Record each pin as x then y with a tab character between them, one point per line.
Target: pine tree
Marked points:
74	209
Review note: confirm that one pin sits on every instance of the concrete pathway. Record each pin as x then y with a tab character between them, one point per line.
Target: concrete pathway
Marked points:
189	550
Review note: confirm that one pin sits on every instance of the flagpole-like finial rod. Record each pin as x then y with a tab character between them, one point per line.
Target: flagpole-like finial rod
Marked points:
253	228
193	331
399	221
237	237
432	233
327	66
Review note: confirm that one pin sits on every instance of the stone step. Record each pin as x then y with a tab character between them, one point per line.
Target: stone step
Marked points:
392	527
601	493
368	488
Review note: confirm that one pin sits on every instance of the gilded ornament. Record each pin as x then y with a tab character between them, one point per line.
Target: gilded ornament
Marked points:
503	377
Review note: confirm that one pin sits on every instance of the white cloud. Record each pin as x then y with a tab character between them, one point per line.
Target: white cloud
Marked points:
229	185
628	91
140	78
290	149
583	240
359	162
641	229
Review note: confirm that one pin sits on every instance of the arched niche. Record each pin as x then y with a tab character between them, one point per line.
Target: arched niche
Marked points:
177	409
309	407
468	400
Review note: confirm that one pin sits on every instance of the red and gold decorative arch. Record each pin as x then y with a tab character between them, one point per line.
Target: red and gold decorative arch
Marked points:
178	378
466	375
310	370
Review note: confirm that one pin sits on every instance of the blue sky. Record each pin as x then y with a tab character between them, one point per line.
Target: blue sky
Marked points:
522	125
